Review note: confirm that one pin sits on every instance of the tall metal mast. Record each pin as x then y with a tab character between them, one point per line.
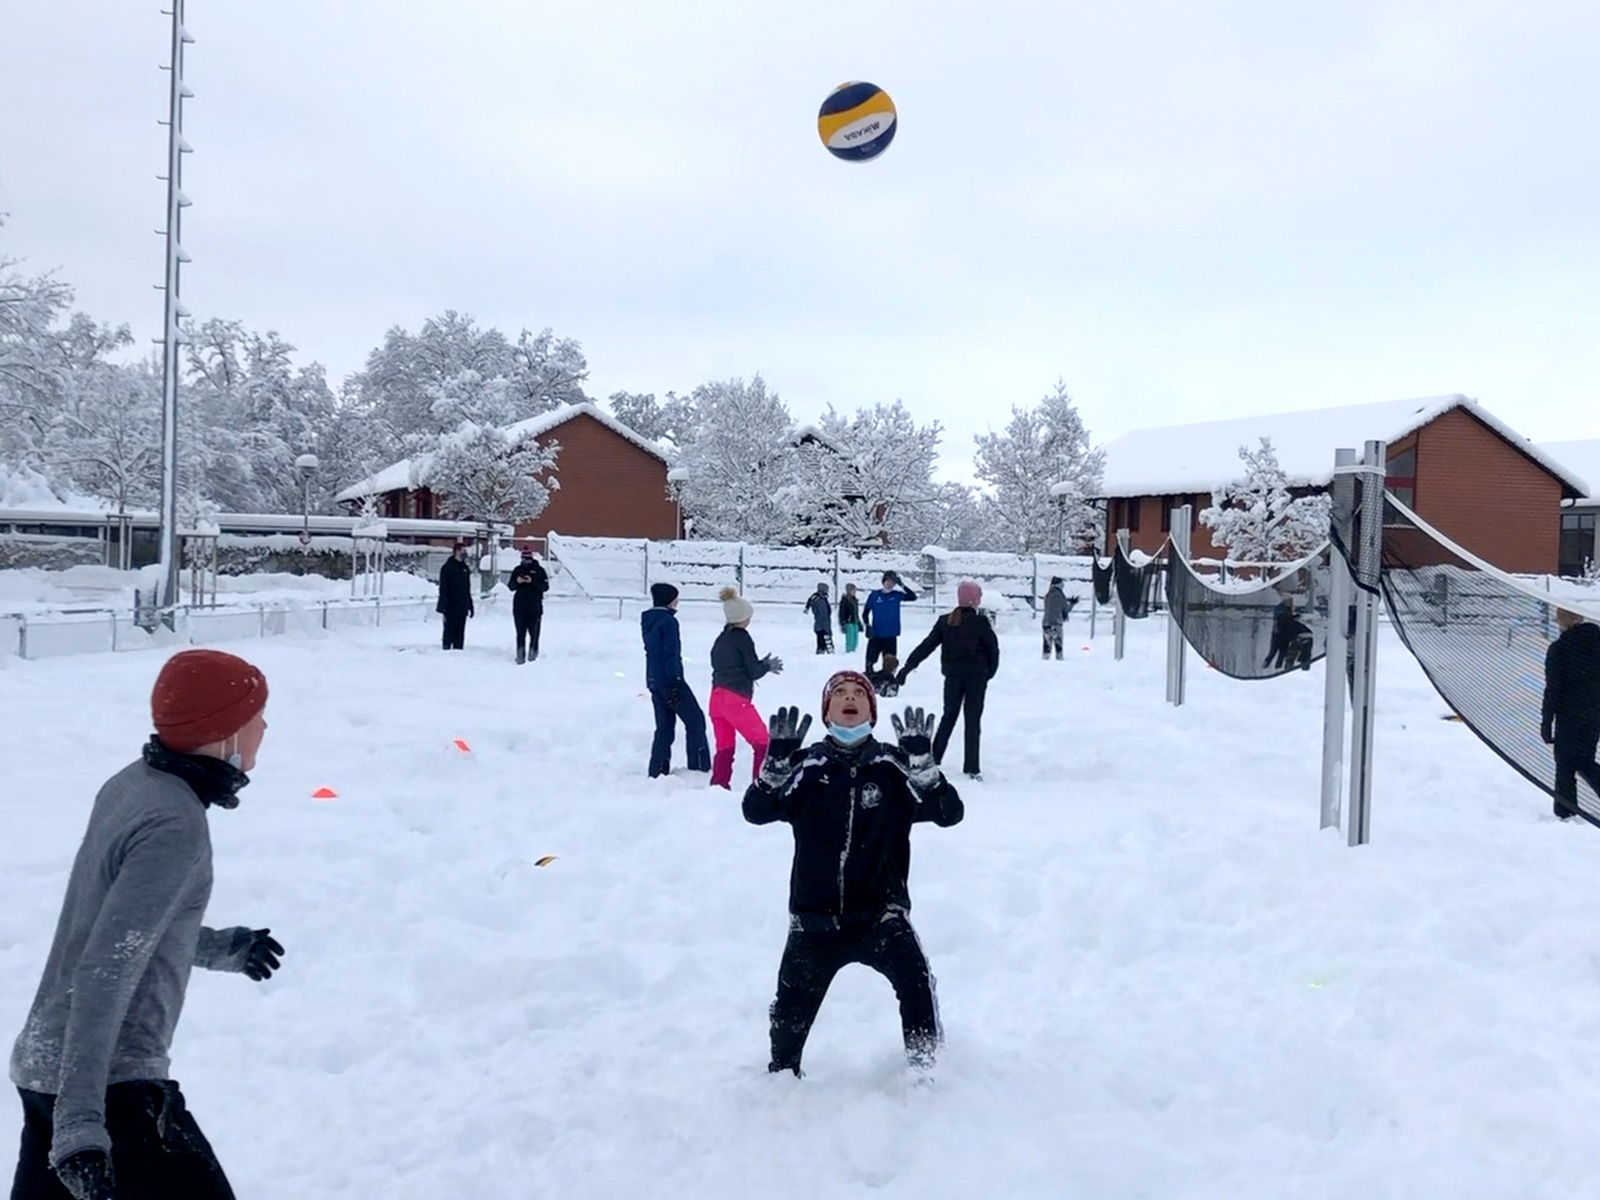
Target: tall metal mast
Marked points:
171	335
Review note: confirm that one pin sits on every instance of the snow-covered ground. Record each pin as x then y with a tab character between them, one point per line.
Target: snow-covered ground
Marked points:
1158	978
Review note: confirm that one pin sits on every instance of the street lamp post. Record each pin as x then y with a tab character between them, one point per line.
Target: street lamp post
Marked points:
307	465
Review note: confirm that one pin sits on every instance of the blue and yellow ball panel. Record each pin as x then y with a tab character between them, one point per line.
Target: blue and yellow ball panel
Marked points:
857	121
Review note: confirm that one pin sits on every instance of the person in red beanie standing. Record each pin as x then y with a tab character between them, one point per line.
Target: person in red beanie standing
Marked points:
851	801
102	1118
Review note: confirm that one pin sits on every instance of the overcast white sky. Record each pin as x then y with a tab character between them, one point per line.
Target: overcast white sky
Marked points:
1184	210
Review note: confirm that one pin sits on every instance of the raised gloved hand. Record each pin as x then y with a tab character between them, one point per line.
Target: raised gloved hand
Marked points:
774	666
786	733
87	1175
915	735
256	952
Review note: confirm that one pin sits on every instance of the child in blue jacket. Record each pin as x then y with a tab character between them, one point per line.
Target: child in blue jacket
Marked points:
669	691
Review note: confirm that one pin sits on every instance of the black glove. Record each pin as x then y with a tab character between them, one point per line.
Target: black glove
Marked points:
786	733
471	612
915	735
1548	735
775	667
87	1175
261	959
900	679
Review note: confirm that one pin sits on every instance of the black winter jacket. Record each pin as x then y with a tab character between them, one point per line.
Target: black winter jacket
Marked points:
851	809
1572	679
967	649
528	583
734	664
849	610
455	588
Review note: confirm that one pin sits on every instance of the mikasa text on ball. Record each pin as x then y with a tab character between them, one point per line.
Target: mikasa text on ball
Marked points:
857	121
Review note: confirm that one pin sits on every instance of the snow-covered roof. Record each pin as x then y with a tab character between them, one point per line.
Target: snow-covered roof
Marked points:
413	472
1176	459
1582	456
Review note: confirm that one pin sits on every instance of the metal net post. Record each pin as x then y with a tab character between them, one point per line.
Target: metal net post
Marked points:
1370	537
1119	621
1175	640
1342	521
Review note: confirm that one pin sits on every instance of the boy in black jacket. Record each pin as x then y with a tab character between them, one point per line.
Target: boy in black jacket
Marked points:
851	801
1570	716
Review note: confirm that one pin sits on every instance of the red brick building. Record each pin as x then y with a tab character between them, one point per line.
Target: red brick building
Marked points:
1461	470
613	482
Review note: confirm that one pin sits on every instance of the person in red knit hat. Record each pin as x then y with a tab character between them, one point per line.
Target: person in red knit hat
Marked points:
851	801
101	1116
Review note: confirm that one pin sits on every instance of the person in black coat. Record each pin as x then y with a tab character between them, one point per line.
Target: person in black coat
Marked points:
1292	642
528	583
969	655
1569	720
851	801
455	597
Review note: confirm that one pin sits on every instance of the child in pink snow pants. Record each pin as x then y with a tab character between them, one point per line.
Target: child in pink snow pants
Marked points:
734	671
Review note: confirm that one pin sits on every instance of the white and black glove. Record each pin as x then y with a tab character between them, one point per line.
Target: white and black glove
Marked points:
786	733
915	735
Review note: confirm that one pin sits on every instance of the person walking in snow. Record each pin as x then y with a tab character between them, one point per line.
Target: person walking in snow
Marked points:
969	656
734	671
821	610
1292	643
102	1118
850	618
669	690
455	597
528	583
882	616
1057	608
1569	719
851	801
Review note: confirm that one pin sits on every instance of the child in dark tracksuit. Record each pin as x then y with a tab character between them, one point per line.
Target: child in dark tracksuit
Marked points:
1570	716
851	801
670	693
821	610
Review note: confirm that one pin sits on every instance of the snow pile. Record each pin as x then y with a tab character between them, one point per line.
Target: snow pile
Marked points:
22	487
1154	982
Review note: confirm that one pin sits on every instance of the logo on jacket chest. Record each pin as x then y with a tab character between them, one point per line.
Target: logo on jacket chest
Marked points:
871	797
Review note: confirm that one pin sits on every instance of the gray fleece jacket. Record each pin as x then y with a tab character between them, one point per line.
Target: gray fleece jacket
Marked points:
129	933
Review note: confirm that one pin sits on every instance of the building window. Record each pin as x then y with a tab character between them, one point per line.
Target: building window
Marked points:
1577	542
1133	513
1167	503
1400	481
1117	507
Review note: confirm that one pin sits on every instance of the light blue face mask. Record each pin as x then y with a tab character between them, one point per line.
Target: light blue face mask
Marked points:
849	735
236	761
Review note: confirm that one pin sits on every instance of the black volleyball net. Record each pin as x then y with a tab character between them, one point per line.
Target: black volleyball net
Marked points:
1100	576
1138	585
1254	628
1481	637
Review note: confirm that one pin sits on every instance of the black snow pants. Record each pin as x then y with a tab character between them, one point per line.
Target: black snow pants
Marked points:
877	646
810	961
157	1150
527	621
962	691
673	705
1575	755
455	631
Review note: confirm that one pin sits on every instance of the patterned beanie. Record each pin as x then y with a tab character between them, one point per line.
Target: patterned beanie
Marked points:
838	679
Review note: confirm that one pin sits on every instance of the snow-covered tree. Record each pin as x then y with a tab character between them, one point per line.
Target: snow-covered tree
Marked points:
740	463
670	422
481	475
423	385
867	480
105	436
1259	520
1041	447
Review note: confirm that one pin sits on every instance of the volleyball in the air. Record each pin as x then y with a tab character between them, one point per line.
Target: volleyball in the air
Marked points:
857	121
